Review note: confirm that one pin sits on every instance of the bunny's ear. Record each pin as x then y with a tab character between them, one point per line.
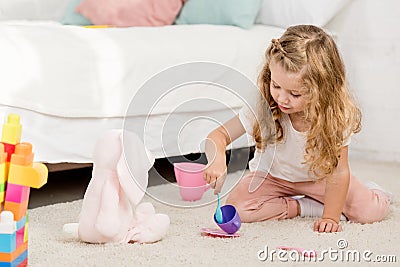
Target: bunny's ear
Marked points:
133	167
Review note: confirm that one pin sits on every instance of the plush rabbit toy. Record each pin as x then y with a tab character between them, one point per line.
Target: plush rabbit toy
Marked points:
111	210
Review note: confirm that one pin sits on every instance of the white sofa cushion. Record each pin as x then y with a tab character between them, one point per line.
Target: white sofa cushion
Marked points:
32	9
284	13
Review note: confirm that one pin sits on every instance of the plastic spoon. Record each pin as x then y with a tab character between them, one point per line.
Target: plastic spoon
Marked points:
218	212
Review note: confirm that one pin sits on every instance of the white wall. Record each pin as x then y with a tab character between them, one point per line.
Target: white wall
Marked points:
368	34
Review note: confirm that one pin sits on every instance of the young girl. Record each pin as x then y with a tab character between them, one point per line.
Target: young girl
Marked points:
303	83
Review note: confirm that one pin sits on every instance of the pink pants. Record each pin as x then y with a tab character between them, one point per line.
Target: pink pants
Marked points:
272	200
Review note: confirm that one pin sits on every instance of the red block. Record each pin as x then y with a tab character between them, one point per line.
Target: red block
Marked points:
9	149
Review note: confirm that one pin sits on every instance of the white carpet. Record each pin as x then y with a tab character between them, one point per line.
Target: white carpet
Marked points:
184	246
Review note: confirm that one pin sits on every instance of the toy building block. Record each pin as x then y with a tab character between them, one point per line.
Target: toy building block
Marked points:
21	260
23	154
17	193
2	192
26	232
3	160
16	257
18	209
11	134
22	231
17	196
23	171
13	249
3	174
22	222
18	173
7	232
12	130
20	236
33	176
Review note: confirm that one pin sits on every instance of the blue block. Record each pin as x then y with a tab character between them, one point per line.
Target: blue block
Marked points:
8	242
21	223
15	262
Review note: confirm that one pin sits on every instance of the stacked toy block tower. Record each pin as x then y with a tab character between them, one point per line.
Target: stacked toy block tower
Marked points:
18	173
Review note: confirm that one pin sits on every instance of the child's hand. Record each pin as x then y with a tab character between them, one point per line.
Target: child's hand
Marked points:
327	226
215	175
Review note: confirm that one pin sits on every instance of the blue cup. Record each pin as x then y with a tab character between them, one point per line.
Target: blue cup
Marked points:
230	219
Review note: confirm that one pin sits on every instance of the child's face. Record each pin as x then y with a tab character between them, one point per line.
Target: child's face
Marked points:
285	89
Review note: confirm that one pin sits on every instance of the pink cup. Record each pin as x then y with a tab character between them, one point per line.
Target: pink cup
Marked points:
190	180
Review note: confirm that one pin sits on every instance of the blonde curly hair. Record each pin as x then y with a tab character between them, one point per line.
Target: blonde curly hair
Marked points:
330	108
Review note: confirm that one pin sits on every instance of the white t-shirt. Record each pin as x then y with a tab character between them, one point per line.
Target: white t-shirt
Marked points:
282	160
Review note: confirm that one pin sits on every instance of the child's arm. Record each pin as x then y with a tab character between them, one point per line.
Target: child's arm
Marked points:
335	196
216	143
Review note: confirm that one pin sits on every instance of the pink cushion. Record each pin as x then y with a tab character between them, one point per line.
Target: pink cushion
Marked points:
126	13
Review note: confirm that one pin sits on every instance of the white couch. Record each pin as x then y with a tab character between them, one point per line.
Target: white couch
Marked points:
69	83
